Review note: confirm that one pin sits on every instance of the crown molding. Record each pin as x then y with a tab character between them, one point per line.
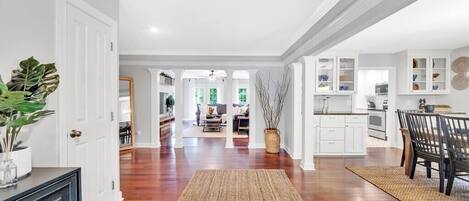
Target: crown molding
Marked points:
200	62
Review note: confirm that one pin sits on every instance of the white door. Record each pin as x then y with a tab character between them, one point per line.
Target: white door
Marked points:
87	83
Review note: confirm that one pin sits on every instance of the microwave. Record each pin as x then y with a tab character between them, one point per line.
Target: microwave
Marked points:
381	89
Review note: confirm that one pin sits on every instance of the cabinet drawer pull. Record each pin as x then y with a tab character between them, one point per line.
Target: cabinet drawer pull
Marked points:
331	142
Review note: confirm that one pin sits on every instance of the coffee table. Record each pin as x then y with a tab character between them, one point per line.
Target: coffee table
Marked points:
213	125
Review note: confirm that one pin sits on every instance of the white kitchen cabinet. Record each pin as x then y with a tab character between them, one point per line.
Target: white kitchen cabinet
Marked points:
423	72
336	74
356	141
340	134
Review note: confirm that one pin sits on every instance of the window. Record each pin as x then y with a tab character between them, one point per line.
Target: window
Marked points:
199	96
213	96
242	93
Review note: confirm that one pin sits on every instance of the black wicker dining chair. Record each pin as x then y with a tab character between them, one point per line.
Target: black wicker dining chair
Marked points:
456	132
427	143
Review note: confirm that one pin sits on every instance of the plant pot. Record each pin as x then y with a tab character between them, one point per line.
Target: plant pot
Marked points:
272	140
22	159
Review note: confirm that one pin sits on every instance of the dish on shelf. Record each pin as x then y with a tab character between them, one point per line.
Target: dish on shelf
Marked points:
414	77
323	77
323	87
415	86
343	88
414	63
435	75
435	87
344	78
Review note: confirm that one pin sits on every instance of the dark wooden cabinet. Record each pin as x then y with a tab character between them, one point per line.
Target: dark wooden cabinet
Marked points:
46	184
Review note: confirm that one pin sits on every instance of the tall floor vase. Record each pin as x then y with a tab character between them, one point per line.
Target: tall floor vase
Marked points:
272	140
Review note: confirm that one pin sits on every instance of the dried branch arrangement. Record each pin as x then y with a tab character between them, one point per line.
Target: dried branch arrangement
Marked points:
272	103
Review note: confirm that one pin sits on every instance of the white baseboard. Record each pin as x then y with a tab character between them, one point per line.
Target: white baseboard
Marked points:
309	166
259	146
293	155
146	145
118	196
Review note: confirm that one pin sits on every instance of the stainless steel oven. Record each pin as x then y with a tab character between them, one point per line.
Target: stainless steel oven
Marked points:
377	123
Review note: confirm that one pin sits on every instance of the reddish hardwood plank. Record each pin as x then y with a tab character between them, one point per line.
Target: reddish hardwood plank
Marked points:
162	174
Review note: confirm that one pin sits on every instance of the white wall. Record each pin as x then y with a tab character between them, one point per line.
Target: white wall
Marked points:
28	29
275	75
108	7
458	99
142	102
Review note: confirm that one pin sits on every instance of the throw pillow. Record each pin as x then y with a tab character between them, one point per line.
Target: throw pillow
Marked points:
242	109
235	110
212	110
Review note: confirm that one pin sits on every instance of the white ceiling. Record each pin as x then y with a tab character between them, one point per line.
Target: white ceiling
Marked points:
425	24
213	27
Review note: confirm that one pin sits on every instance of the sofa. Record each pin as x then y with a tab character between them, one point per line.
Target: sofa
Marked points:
220	111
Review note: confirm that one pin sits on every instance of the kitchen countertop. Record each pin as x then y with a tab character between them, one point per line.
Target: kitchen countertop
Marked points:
341	113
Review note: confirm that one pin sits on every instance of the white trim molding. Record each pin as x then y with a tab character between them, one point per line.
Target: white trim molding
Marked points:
154	106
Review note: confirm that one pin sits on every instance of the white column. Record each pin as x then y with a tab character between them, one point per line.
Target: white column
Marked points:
155	107
307	158
297	79
228	96
252	108
179	109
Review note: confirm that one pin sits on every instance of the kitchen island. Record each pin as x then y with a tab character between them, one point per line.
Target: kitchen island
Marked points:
340	133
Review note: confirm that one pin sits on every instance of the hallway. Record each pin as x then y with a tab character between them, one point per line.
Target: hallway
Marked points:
162	174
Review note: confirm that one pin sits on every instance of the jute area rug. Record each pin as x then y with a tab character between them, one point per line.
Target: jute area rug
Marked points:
393	181
240	185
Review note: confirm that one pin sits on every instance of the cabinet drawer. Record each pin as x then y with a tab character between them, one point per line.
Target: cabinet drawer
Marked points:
332	146
355	118
332	133
332	121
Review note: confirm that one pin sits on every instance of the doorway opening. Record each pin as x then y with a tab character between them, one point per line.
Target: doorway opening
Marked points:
373	95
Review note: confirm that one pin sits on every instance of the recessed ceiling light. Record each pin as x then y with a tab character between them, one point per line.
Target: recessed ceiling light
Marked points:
153	29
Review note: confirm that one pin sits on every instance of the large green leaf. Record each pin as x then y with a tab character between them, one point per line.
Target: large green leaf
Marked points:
11	101
39	79
30	119
30	74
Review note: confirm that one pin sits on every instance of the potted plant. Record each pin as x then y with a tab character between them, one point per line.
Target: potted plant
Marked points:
272	96
170	104
22	102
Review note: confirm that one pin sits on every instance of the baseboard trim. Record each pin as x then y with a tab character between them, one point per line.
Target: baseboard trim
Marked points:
118	196
307	166
146	145
293	155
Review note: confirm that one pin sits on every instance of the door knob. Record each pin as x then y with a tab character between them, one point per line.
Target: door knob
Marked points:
75	133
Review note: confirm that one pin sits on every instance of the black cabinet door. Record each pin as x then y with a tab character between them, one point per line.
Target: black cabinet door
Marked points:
66	189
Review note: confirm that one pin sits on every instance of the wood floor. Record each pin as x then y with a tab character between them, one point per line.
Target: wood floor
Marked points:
162	174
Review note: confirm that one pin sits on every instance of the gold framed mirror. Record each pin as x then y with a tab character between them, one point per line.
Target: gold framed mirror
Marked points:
126	113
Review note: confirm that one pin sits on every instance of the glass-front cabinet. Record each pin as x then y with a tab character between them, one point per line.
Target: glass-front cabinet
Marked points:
429	75
335	75
439	69
419	74
346	73
423	72
325	75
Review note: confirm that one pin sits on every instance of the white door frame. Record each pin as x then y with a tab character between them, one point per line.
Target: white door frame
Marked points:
391	118
60	54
